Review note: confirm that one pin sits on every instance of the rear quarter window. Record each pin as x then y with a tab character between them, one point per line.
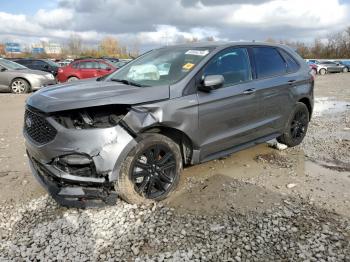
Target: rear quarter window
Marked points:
292	64
268	62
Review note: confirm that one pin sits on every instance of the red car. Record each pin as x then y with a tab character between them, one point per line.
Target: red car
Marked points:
84	68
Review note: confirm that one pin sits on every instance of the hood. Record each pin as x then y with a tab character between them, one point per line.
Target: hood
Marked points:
30	71
82	94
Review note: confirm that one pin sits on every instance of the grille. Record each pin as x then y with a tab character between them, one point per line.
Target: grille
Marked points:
38	128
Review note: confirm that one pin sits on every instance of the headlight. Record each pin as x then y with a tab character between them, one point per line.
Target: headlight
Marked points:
96	117
50	76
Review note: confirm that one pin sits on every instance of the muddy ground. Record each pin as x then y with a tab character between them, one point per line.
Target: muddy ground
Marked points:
318	171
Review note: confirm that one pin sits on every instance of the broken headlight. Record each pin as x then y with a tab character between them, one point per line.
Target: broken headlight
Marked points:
94	117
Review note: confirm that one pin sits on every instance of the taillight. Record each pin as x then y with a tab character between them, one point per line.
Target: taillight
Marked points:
313	74
60	70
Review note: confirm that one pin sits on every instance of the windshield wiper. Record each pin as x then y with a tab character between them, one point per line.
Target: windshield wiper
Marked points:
127	82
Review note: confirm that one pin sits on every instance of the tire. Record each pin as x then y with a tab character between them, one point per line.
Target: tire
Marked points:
141	171
19	86
296	127
322	71
345	70
72	78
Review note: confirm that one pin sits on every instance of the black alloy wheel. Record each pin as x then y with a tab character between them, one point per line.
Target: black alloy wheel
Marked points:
299	125
153	171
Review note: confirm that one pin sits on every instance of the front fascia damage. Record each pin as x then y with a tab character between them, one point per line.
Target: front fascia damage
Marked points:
107	140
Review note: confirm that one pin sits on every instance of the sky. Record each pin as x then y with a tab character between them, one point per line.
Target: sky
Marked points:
155	23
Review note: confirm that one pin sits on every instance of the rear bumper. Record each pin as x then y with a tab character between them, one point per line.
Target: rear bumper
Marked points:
71	193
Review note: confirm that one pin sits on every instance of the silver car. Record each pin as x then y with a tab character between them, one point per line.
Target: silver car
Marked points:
324	67
19	79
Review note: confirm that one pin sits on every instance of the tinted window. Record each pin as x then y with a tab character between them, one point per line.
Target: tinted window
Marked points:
292	65
39	63
88	65
268	62
75	65
232	63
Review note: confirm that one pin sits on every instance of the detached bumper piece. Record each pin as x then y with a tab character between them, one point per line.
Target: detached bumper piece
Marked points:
71	193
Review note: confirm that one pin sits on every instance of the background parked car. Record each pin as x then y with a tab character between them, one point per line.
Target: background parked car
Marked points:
111	59
324	67
40	64
20	79
346	64
85	68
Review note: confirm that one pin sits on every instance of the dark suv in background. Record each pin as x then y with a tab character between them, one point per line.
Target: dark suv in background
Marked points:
39	64
130	133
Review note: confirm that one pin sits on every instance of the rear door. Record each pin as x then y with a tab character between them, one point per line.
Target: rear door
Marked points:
230	115
276	81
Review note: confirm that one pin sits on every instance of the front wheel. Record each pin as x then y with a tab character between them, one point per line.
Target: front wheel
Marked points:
296	127
151	171
19	86
72	78
345	70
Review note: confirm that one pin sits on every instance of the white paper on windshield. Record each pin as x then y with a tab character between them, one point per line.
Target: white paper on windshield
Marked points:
197	52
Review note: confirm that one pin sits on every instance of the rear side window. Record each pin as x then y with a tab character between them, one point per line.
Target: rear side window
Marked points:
233	64
292	64
89	65
268	62
75	65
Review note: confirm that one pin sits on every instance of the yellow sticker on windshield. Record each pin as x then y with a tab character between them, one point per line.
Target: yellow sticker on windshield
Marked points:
188	66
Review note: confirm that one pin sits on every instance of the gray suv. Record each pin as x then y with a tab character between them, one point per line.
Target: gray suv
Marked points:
130	133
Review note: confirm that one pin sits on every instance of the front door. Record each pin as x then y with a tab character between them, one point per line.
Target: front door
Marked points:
231	115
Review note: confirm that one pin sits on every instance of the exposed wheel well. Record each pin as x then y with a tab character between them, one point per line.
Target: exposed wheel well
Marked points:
178	137
307	102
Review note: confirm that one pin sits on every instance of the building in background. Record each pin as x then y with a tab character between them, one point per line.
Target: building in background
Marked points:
13	48
52	48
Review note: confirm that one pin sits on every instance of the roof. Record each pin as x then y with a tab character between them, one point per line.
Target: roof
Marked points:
222	44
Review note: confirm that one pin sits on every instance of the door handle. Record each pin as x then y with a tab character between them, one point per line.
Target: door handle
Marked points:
249	91
291	82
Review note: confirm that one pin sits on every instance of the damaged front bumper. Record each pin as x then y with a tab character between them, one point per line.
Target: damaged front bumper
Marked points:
77	182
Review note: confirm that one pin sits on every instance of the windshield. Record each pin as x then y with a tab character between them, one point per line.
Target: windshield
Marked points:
52	63
164	66
11	65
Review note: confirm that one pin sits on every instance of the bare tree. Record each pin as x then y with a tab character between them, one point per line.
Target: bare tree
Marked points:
110	46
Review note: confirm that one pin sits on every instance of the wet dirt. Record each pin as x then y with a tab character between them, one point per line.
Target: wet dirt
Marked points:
253	180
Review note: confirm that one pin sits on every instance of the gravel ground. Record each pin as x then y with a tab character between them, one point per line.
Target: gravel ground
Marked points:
290	231
260	204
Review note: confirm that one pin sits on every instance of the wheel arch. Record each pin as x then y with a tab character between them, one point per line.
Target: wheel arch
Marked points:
307	102
22	78
178	136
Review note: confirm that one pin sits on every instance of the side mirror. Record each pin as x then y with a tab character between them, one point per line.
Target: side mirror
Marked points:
3	69
46	66
108	68
212	82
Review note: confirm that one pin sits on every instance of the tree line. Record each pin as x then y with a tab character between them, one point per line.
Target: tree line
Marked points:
334	46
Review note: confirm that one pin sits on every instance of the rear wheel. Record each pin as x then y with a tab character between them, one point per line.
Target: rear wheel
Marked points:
19	86
323	71
296	127
151	171
72	78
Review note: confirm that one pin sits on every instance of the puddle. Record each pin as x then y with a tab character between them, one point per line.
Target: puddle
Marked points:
256	179
329	105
